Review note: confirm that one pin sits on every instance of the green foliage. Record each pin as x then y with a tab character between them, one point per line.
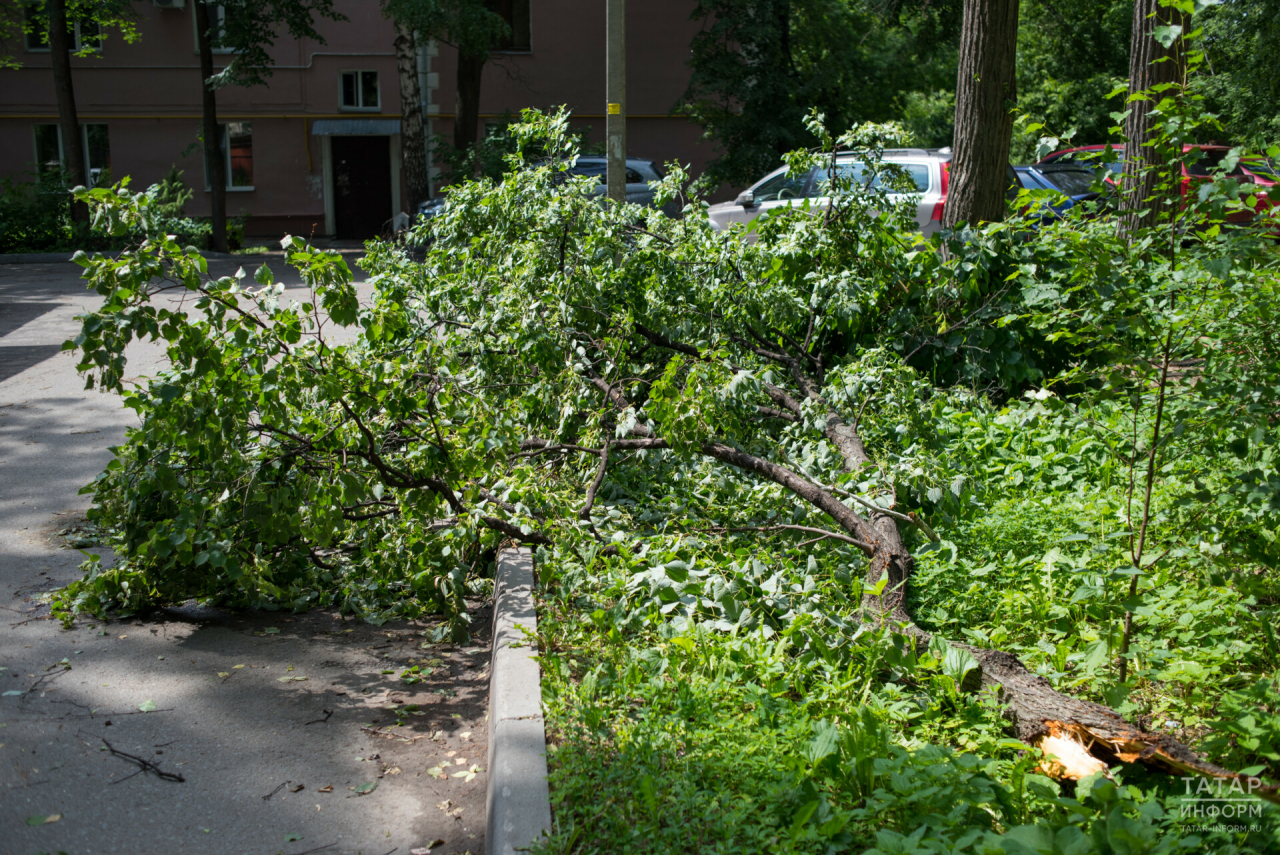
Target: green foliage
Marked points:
35	216
251	28
470	25
1242	86
1071	55
760	66
172	194
1248	732
31	17
679	736
710	669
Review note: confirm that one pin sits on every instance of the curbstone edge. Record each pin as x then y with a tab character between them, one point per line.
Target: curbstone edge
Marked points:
518	799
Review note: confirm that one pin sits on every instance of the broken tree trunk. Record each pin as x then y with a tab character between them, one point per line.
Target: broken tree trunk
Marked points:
1043	716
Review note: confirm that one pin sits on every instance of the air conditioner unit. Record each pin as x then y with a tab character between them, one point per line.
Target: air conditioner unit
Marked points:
168	4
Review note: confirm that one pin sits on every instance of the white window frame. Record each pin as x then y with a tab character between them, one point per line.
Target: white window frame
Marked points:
197	8
362	108
226	158
62	151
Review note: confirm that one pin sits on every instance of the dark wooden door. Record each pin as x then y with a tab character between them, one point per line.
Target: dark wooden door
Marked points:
361	185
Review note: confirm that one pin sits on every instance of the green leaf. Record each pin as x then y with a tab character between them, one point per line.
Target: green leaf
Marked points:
1167	34
147	706
366	788
801	818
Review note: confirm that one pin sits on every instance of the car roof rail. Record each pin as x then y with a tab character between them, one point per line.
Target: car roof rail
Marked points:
914	152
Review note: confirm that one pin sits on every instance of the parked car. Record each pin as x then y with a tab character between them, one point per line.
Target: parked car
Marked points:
928	168
641	176
429	209
1074	181
1201	169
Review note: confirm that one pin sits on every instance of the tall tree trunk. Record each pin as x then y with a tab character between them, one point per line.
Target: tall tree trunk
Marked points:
215	159
413	142
1150	64
985	90
60	55
466	118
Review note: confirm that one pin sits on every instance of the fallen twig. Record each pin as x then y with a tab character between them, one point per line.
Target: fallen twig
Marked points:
144	764
327	713
273	792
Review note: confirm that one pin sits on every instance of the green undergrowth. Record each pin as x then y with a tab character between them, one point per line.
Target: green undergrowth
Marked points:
709	695
674	736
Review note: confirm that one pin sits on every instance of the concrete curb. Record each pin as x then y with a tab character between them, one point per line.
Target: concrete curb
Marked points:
518	801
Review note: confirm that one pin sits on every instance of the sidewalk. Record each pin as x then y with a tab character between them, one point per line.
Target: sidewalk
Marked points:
257	747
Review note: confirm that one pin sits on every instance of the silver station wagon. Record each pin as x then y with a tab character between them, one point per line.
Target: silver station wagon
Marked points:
928	168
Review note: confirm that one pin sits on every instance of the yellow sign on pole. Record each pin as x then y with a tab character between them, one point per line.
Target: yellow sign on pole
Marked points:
615	109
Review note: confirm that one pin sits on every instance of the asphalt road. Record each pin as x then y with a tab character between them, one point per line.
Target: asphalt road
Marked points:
248	707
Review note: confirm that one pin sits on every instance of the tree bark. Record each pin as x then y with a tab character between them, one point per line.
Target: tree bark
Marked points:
60	47
413	140
985	92
1150	64
215	159
466	120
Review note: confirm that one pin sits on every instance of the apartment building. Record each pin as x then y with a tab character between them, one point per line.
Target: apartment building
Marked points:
316	152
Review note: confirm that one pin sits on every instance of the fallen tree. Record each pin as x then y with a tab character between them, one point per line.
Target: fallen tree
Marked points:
547	353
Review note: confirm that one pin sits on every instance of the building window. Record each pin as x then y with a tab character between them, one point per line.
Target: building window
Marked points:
97	153
237	152
359	90
85	35
48	148
516	14
94	142
197	19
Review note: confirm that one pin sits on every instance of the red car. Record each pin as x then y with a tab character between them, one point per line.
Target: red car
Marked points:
1200	169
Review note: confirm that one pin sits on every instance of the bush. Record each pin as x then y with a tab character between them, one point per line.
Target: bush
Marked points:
35	216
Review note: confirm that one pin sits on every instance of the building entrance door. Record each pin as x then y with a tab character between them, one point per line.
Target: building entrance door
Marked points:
361	186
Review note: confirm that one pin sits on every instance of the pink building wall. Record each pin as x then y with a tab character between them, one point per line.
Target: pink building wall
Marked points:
148	94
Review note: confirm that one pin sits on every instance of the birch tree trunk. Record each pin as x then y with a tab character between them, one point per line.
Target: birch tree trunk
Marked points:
60	46
1150	64
985	93
413	140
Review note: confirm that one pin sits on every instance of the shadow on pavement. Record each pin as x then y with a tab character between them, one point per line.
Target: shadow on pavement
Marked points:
14	359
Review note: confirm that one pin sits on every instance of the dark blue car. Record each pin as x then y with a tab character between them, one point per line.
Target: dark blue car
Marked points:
1077	183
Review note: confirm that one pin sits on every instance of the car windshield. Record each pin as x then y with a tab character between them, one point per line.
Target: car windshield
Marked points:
888	174
1073	182
781	187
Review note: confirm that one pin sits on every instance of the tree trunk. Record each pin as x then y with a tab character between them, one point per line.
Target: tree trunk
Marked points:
214	158
413	141
72	151
1150	64
466	118
985	92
